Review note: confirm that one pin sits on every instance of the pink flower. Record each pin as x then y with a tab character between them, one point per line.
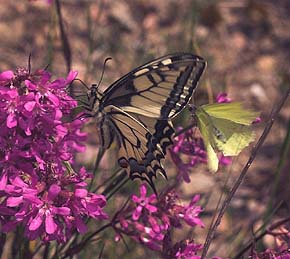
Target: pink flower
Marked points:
271	254
36	143
223	98
192	148
6	77
189	251
191	213
47	212
143	202
153	219
184	249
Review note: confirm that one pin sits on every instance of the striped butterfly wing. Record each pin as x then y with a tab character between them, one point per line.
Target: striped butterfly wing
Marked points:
162	130
140	152
138	109
159	89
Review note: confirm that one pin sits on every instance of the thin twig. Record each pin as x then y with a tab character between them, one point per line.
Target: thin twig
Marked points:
126	180
65	42
265	232
106	181
75	249
238	182
260	229
115	182
101	252
46	251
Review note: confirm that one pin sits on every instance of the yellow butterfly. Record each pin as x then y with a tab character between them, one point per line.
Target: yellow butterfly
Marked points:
225	127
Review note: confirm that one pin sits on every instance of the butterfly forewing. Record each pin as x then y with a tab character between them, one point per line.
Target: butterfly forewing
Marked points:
231	111
159	89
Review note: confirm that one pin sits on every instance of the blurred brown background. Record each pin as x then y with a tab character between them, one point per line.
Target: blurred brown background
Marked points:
245	42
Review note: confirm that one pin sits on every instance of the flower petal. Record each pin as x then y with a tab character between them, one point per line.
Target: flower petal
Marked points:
81	193
71	76
6	75
50	226
143	191
35	223
11	121
137	213
3	181
14	201
29	106
53	192
81	227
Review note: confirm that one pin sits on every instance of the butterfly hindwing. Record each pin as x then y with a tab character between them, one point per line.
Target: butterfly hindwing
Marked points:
206	128
236	136
162	130
158	89
139	154
106	132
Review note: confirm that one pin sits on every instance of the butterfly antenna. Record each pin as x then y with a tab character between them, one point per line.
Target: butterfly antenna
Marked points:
82	82
103	71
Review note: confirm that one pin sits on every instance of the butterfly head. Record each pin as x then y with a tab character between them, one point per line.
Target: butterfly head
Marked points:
94	97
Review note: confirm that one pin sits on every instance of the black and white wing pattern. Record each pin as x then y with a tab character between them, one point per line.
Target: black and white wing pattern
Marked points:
137	110
158	89
141	152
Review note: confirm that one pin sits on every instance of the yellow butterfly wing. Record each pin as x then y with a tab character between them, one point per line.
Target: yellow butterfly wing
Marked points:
231	111
225	127
206	129
234	136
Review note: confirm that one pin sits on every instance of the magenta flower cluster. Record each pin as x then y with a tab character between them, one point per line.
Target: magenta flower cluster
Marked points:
149	221
39	192
186	152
